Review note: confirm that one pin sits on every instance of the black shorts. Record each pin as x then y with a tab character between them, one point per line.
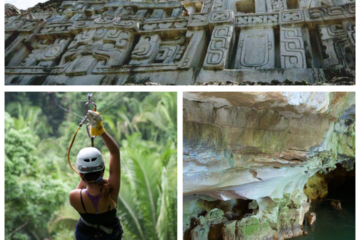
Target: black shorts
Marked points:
85	232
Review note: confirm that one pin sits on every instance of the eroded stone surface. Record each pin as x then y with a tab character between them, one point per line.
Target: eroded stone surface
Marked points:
193	42
251	155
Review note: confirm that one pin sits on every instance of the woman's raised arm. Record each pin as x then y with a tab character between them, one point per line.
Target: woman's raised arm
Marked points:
114	168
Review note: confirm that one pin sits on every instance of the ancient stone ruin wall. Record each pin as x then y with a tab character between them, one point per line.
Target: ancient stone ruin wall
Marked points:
248	156
188	42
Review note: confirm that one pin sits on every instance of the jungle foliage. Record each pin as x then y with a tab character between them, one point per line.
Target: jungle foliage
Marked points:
38	130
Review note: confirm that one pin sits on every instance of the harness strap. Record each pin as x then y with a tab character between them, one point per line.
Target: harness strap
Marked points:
107	230
82	203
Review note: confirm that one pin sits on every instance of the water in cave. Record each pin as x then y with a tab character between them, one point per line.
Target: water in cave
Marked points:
334	224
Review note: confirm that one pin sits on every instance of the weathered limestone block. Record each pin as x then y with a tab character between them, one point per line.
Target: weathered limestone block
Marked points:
256	49
195	50
146	50
260	6
292	48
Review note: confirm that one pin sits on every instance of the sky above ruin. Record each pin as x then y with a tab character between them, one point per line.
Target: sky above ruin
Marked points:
24	4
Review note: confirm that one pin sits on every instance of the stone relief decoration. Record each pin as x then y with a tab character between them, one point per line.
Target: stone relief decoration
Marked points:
217	54
45	53
256	49
206	7
338	48
221	39
349	26
146	50
292	48
276	5
257	20
101	47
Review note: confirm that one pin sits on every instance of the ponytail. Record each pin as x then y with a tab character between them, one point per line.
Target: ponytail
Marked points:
105	188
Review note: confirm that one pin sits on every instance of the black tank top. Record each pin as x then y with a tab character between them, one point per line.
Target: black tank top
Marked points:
106	218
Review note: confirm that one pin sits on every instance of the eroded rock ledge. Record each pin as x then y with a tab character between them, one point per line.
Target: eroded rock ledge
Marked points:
248	156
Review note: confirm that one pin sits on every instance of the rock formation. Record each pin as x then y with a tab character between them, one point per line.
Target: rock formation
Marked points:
311	218
251	154
11	10
182	43
336	204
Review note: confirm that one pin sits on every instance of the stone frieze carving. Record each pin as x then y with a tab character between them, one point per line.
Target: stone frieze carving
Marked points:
292	48
101	38
218	51
256	49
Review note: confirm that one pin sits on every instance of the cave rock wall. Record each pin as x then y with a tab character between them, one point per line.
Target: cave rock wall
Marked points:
249	155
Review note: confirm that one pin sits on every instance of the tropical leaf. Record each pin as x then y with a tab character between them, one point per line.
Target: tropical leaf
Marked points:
65	218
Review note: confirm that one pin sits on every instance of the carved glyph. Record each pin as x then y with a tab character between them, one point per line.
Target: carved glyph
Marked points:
276	5
221	17
291	16
219	5
206	7
100	47
15	25
349	26
146	50
46	53
198	21
292	48
218	50
334	39
248	20
314	3
256	49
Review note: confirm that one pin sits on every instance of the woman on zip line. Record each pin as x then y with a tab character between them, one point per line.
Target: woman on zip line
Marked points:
95	198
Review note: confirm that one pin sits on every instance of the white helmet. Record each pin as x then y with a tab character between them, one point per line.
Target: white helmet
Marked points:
89	160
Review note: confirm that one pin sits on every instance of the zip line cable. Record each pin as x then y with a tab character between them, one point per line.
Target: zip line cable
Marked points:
61	107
